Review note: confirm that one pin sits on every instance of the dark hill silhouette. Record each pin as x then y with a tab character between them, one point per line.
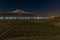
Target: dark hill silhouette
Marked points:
17	13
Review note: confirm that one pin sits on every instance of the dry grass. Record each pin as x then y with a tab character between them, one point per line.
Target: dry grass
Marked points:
28	28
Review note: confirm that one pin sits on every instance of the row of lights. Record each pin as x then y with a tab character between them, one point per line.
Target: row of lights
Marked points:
24	17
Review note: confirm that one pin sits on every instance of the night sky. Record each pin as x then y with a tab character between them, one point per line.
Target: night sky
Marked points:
39	7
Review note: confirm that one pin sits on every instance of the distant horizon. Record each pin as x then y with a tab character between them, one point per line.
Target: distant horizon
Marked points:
5	11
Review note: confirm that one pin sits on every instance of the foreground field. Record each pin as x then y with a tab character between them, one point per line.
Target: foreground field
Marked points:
30	29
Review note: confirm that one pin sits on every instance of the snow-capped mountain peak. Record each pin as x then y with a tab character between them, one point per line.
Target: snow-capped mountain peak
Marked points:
18	11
